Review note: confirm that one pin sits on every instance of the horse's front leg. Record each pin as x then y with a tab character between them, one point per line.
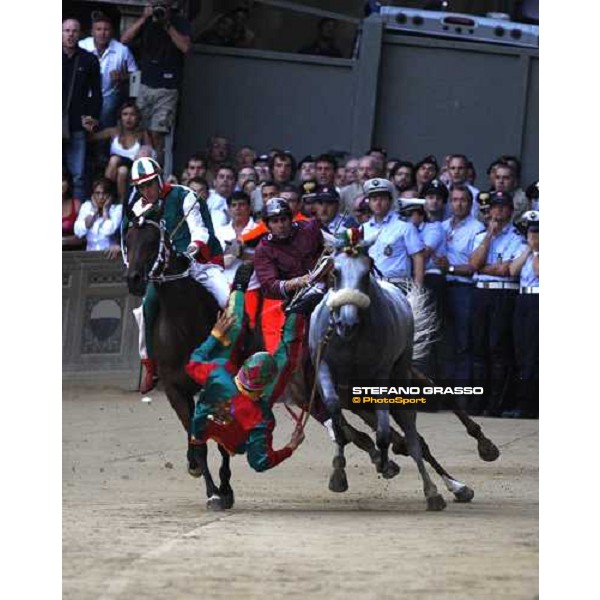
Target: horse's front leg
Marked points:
382	438
338	481
225	489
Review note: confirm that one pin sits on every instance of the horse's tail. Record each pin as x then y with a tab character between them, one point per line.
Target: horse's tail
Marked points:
426	325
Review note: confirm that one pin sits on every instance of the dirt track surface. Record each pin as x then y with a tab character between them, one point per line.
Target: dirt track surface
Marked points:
135	525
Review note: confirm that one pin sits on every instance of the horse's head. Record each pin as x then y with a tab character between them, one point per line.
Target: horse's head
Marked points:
142	245
350	293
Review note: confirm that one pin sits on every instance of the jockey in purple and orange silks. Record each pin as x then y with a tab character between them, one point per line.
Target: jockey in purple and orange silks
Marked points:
235	406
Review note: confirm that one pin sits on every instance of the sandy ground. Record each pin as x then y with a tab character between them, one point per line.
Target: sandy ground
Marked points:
135	524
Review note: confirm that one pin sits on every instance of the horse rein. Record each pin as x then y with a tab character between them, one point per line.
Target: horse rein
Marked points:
163	255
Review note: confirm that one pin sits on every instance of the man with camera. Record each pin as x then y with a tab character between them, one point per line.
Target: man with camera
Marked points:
165	38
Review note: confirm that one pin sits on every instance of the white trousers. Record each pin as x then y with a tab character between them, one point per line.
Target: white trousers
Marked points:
212	277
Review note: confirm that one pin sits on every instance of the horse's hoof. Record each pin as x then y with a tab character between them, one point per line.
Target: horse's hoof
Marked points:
338	481
339	462
391	470
227	499
436	503
193	469
488	451
214	503
465	494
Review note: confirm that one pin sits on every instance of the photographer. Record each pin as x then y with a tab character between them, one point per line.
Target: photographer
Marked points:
165	38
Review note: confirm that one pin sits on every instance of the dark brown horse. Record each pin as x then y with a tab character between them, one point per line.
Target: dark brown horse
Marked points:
186	315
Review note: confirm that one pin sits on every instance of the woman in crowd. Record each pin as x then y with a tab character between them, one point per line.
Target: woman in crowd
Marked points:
71	207
99	218
125	141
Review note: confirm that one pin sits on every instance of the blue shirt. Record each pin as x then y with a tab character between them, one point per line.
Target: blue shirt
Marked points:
528	276
434	237
460	243
396	242
339	223
504	248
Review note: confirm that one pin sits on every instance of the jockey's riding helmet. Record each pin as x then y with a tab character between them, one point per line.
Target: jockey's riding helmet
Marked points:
144	169
276	207
258	371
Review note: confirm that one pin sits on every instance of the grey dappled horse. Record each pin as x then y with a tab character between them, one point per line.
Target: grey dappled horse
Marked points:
373	339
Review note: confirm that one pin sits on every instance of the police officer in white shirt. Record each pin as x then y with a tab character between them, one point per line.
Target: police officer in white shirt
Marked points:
398	252
526	320
494	301
460	230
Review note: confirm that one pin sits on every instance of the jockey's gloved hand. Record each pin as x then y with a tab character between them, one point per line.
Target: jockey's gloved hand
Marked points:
192	250
242	277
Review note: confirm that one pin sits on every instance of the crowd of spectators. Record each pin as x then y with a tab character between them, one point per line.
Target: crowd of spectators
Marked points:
476	251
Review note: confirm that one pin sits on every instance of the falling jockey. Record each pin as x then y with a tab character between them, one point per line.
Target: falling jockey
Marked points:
235	405
188	223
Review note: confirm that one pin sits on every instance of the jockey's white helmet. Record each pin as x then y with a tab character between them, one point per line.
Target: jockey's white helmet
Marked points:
144	169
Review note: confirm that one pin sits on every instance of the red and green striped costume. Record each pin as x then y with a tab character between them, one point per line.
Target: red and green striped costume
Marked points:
248	424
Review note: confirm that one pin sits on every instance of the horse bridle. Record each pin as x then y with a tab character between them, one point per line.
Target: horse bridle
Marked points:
164	252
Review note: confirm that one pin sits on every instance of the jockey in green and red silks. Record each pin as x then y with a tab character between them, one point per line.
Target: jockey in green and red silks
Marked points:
235	406
189	226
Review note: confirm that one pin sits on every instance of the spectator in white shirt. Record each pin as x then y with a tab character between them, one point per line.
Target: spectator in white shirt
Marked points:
217	200
116	63
99	219
230	235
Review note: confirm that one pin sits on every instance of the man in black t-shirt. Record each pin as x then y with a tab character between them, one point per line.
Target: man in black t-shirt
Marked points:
165	38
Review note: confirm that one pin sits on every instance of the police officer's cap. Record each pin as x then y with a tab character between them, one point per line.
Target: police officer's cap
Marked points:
307	190
483	199
436	187
501	199
378	185
408	205
533	191
325	193
531	220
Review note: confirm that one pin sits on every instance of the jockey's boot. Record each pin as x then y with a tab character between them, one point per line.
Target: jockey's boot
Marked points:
149	377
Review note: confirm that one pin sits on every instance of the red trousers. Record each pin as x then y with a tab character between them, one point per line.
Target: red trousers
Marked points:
268	313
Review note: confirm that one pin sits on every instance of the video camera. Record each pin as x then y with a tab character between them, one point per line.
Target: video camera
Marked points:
159	13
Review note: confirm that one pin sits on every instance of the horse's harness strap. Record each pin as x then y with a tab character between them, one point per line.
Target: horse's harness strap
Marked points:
322	344
163	256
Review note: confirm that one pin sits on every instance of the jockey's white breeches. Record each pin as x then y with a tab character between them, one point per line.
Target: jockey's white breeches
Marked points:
212	277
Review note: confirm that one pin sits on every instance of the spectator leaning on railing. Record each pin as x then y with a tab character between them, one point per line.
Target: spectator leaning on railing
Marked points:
99	218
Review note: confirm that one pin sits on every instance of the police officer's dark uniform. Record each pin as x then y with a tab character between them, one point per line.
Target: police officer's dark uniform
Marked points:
493	308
